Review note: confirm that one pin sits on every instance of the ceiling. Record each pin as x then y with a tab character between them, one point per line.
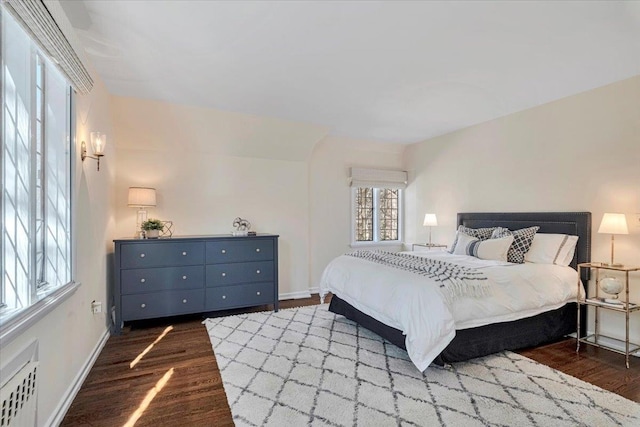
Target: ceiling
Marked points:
389	70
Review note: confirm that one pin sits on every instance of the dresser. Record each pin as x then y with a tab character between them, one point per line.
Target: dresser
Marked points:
193	274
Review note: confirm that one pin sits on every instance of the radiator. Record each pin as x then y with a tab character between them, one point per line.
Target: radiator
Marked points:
19	398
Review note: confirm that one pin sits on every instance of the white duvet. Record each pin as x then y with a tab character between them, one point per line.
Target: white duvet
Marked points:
415	305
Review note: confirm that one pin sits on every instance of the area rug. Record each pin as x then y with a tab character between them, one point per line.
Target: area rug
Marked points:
308	366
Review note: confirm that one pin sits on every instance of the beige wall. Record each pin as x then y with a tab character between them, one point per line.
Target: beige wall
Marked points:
69	334
330	194
210	166
578	153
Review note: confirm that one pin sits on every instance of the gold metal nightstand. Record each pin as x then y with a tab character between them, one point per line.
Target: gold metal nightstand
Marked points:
428	246
624	306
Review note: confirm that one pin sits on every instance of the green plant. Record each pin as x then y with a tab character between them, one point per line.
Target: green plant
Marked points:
152	224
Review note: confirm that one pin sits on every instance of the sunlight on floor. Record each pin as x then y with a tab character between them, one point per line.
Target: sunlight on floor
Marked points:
148	349
148	398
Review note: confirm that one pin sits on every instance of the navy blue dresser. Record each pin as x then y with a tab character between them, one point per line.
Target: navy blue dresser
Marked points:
193	274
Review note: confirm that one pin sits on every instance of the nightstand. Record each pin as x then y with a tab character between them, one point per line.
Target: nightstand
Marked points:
625	307
427	246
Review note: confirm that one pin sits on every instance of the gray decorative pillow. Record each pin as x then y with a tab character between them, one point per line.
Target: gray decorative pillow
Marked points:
521	241
478	233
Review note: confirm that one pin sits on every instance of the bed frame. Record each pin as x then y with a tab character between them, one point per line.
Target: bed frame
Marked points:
527	332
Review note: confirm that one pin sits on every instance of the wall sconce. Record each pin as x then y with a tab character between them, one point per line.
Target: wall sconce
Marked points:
98	142
141	198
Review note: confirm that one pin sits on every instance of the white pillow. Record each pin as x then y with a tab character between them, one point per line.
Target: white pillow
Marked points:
552	249
493	249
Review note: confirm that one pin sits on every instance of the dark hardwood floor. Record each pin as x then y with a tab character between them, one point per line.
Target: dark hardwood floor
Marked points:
177	382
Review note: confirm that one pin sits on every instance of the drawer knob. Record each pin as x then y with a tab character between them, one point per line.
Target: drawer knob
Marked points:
224	274
223	251
143	280
184	277
257	271
184	253
257	249
224	297
143	305
141	255
258	293
184	301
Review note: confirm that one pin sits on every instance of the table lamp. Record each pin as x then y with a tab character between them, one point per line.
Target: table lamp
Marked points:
613	223
430	220
141	198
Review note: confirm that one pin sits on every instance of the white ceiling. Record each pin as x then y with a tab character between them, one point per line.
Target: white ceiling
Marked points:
388	70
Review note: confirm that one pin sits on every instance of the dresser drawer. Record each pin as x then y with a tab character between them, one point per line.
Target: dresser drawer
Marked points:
141	280
225	251
160	304
243	272
239	295
161	254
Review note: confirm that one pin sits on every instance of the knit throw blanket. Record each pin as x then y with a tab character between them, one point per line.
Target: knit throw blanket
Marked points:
454	280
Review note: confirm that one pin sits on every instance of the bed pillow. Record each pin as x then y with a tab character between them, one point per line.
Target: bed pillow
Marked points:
493	249
552	249
478	233
521	241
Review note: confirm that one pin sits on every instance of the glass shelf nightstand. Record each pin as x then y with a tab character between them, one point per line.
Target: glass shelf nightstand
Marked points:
624	306
428	246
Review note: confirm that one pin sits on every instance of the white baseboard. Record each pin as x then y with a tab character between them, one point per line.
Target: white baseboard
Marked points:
61	410
294	295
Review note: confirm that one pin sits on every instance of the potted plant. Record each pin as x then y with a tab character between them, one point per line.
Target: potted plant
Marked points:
152	228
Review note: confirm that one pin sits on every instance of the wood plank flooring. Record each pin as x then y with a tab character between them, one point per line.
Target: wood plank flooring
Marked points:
115	393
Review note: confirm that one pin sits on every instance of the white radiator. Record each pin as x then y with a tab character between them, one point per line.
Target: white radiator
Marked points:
19	398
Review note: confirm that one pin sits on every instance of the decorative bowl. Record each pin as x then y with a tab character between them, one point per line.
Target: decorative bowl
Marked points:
611	285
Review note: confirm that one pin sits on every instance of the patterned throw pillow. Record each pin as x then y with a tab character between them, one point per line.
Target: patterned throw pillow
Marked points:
521	241
491	249
478	233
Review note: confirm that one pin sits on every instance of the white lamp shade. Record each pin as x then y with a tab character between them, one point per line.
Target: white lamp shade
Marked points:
98	142
430	220
613	223
142	197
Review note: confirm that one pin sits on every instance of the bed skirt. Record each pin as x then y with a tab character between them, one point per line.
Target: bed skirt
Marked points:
483	340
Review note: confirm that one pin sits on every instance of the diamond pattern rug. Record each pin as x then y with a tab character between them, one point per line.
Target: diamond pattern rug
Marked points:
308	366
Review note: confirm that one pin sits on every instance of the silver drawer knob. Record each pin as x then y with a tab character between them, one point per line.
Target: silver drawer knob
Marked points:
258	293
257	271
143	280
141	255
257	249
224	297
184	253
184	301
223	251
184	277
224	274
143	305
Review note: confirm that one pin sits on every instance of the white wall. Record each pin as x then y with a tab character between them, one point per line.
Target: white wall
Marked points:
330	194
69	334
581	153
210	166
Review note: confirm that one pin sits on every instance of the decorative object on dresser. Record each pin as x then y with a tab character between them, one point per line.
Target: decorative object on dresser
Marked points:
141	198
152	228
613	223
242	227
430	220
98	142
183	275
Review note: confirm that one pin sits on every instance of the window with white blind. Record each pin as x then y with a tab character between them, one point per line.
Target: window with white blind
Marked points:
35	240
377	206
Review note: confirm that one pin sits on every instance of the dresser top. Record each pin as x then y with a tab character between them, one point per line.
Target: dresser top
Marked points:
194	238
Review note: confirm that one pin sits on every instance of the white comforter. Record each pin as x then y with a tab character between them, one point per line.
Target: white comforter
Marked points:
415	305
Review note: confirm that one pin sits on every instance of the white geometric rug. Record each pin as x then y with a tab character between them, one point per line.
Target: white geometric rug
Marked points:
308	366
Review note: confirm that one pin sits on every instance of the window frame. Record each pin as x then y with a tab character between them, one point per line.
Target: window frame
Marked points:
376	225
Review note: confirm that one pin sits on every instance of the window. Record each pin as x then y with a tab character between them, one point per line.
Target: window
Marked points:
35	240
377	206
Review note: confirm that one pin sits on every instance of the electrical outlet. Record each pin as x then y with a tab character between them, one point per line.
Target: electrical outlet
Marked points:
96	307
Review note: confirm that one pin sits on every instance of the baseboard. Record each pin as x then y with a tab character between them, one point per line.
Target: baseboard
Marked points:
294	295
62	408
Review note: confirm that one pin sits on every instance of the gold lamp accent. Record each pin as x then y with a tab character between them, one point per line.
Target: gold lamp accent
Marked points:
430	220
613	223
98	142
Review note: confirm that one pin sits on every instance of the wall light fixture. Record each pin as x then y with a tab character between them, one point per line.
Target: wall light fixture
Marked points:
98	142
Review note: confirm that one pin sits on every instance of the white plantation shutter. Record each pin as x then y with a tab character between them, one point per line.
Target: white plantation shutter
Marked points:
38	18
378	178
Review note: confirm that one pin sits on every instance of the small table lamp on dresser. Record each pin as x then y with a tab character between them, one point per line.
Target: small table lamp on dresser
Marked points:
141	198
613	223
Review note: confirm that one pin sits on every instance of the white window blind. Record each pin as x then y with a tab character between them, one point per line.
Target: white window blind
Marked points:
39	21
378	178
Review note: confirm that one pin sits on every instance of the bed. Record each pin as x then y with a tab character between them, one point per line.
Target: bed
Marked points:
470	342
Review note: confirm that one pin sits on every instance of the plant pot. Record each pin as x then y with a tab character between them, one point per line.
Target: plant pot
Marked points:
152	234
